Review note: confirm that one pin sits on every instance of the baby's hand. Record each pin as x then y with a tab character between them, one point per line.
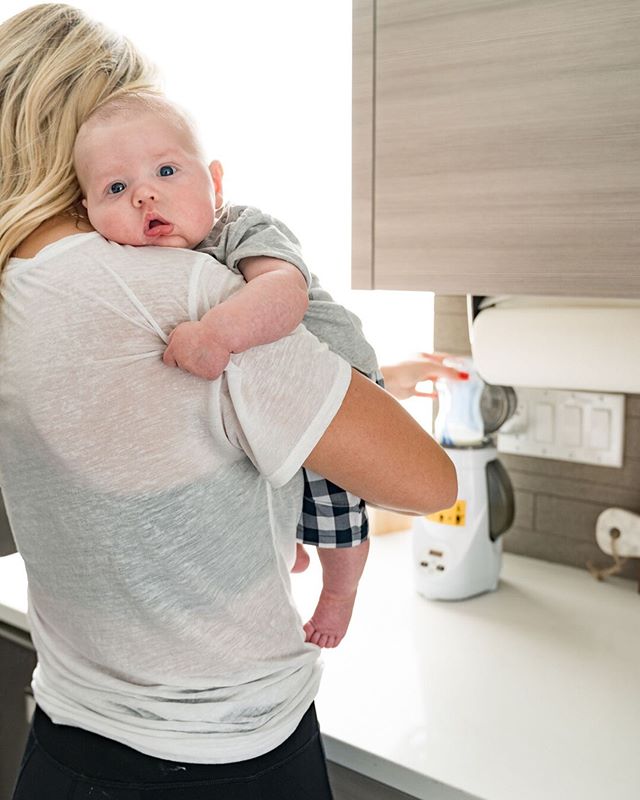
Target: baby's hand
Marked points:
192	348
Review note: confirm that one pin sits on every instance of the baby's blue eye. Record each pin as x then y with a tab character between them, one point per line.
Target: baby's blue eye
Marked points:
166	171
117	187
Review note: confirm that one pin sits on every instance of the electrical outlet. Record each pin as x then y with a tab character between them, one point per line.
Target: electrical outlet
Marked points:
434	559
622	527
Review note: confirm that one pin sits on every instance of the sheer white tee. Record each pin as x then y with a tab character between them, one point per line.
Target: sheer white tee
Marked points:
156	512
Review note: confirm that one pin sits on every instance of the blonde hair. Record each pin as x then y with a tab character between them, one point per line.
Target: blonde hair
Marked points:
56	67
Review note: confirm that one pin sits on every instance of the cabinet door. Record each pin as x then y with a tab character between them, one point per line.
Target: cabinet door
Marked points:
17	662
7	545
507	146
362	145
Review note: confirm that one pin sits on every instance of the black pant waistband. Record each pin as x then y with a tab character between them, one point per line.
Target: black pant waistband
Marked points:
98	757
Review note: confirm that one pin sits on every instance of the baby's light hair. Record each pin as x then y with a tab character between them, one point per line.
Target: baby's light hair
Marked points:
132	104
57	65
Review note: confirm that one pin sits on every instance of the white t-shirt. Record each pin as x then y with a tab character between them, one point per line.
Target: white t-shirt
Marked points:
156	512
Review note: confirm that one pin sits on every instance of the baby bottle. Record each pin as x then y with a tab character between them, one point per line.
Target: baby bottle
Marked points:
459	422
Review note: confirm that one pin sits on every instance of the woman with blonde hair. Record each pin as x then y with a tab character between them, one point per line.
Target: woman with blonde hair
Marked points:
155	512
56	66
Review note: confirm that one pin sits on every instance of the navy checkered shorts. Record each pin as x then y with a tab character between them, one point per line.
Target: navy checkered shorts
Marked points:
331	516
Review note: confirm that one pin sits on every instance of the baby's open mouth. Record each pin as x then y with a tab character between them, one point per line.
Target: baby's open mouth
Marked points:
155	225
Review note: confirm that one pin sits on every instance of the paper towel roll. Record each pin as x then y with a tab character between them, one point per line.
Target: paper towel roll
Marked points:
559	347
627	525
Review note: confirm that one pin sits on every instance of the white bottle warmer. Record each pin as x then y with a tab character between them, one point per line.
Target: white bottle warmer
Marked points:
458	551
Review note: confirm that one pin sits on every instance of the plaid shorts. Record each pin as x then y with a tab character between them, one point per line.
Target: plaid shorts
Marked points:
331	516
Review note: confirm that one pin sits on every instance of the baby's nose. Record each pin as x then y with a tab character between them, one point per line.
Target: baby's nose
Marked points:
143	195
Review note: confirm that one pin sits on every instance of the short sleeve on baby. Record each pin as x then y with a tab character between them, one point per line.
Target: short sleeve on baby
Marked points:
244	232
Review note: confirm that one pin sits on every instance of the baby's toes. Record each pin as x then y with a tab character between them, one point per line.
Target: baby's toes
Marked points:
313	634
316	637
309	630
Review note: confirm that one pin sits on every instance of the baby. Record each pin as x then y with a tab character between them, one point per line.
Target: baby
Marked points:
145	181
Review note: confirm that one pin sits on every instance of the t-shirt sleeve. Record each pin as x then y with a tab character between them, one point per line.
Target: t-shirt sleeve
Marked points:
278	400
340	328
244	231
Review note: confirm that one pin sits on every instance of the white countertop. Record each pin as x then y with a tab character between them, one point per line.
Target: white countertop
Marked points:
528	693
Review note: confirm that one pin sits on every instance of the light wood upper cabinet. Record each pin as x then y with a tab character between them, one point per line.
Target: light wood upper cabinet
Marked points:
506	146
362	145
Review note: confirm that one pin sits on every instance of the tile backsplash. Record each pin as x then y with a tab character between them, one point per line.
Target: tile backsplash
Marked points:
557	502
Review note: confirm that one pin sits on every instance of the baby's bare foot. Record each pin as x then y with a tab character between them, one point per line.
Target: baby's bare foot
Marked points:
302	559
330	620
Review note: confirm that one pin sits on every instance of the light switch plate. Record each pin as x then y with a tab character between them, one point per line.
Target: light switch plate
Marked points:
570	426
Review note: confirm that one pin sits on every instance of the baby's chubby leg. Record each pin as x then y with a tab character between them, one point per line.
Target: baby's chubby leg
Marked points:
341	571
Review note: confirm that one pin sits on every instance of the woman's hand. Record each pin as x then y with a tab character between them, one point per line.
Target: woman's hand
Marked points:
400	379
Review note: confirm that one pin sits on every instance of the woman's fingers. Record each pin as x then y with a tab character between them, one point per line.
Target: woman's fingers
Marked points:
454	374
401	379
439	357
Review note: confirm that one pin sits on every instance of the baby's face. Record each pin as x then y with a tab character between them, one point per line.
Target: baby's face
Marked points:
144	182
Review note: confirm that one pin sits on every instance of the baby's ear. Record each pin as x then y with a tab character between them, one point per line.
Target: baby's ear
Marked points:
84	202
217	173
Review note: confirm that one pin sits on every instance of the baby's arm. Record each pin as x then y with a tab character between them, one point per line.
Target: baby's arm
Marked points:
270	306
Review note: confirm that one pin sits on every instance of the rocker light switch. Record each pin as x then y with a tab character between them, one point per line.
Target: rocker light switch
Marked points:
600	433
544	425
570	426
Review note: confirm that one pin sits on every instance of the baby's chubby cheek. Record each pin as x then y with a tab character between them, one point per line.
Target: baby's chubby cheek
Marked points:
116	227
202	223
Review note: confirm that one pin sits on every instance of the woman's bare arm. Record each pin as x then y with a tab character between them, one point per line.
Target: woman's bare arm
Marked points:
376	450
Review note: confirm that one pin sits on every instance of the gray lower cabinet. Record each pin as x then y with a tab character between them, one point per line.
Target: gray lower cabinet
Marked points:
7	545
349	785
17	662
